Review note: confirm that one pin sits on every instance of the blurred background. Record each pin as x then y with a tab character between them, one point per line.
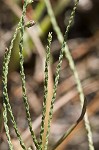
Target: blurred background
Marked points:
83	42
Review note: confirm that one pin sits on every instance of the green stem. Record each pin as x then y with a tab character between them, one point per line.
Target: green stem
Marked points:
25	99
45	89
6	126
71	63
5	91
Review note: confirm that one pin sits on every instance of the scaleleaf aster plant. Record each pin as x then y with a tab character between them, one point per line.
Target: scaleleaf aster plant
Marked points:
39	144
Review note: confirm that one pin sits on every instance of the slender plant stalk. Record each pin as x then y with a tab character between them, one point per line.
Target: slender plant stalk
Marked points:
71	63
25	99
6	126
45	89
5	91
54	93
5	74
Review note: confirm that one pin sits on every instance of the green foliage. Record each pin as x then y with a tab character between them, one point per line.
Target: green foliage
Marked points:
25	99
5	91
6	104
45	86
71	62
6	126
